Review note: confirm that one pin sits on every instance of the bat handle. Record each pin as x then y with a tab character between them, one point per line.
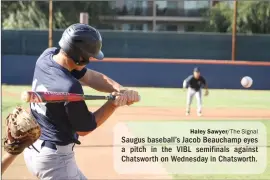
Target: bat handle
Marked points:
111	97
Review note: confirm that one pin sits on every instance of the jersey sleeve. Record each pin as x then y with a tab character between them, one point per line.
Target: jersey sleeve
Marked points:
81	119
79	116
187	80
79	74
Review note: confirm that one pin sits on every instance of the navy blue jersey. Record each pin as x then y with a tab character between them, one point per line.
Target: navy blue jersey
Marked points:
59	122
194	83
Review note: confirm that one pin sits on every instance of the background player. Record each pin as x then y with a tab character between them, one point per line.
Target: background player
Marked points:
62	123
195	83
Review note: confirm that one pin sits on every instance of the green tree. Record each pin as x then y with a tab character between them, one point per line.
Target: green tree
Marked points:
24	15
35	14
252	17
220	17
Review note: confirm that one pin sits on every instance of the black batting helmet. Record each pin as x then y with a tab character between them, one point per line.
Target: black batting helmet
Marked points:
81	42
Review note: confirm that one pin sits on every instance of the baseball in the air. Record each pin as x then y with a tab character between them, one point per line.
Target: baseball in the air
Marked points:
246	82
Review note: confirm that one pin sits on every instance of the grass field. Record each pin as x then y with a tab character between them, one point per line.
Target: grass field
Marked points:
244	101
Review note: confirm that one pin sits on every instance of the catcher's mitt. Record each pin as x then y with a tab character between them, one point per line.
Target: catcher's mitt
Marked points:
22	131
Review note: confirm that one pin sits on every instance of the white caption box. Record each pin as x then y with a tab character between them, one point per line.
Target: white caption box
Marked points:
204	147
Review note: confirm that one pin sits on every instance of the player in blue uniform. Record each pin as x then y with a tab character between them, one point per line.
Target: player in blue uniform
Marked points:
61	124
195	83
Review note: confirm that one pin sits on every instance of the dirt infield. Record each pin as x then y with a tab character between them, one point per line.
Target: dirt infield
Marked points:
95	155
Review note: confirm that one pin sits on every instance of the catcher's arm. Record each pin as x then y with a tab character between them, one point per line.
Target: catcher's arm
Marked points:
21	132
9	158
6	161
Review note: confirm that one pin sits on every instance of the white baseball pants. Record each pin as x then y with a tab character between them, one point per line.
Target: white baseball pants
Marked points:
52	164
190	93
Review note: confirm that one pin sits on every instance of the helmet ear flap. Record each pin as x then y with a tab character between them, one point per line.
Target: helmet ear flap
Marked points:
82	61
70	51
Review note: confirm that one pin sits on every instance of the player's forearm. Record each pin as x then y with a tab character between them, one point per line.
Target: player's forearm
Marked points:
100	82
6	161
185	84
109	85
103	113
206	87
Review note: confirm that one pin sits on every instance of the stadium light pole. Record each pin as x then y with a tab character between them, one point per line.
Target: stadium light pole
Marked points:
234	30
50	23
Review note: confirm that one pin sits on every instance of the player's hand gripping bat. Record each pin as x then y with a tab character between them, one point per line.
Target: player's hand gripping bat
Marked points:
53	97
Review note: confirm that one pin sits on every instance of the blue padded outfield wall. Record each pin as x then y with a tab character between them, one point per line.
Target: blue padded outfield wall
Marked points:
149	45
20	50
18	69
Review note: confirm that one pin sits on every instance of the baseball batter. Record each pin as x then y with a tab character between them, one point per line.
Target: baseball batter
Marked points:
61	124
195	83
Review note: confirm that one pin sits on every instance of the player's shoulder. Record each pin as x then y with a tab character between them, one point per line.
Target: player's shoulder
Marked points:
56	77
190	77
44	59
49	51
202	77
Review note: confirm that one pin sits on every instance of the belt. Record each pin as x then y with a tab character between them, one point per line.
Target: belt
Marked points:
48	144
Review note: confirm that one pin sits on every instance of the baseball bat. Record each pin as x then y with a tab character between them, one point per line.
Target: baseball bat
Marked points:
55	97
